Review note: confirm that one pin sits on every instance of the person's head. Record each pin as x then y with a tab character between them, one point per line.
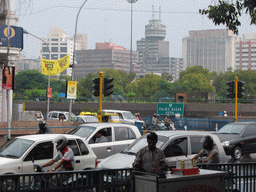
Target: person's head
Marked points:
42	125
207	142
61	141
99	134
225	111
220	110
158	116
6	71
154	114
152	140
138	114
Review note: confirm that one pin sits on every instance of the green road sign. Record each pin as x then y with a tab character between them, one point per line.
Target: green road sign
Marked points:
170	108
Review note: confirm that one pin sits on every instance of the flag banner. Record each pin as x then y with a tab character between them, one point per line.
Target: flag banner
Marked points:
71	89
63	63
54	67
49	92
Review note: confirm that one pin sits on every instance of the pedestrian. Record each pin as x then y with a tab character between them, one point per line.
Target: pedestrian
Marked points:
43	129
100	138
139	117
150	158
154	119
209	150
225	114
220	113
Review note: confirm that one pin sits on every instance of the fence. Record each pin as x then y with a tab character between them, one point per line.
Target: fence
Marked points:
240	176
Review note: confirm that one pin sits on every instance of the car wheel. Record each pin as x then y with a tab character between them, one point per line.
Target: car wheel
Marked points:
8	184
237	153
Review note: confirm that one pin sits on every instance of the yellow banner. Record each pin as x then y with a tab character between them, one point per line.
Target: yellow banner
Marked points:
71	89
50	67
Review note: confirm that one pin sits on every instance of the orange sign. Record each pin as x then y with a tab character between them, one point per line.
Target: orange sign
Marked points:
49	92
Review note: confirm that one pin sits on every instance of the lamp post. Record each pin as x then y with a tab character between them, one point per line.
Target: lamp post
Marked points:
74	54
48	99
131	1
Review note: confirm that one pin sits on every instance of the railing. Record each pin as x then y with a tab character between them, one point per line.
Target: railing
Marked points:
240	176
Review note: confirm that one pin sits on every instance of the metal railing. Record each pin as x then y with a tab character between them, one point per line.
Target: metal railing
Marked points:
240	176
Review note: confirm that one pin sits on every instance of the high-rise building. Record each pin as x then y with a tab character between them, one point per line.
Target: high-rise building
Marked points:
81	41
176	65
106	55
60	45
211	49
246	52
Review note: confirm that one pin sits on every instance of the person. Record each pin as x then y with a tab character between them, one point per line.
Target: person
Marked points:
210	150
43	129
220	113
64	157
168	123
61	117
7	78
137	115
154	119
100	138
225	114
150	158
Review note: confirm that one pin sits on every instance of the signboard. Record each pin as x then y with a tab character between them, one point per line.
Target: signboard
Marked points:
170	108
71	89
49	92
8	77
15	36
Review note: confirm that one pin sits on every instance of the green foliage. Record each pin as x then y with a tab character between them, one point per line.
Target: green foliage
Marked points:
224	12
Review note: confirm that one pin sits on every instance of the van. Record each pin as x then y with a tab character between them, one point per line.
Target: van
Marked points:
106	117
126	117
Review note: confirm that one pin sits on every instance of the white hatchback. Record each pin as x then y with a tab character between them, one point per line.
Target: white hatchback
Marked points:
18	154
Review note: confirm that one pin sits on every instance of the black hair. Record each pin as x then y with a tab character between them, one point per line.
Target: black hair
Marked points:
209	141
4	77
152	136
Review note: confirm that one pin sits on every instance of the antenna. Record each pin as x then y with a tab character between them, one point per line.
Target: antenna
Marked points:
105	29
160	13
153	16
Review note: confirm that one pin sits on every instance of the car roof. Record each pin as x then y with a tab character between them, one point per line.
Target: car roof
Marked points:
104	124
182	133
42	137
107	110
86	116
244	122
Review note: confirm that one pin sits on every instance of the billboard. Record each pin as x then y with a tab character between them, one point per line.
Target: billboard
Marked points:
71	89
8	77
15	36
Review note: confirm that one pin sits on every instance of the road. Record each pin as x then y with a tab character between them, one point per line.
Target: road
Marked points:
244	159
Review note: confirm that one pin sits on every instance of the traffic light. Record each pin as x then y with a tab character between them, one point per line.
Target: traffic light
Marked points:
108	86
240	90
231	89
96	87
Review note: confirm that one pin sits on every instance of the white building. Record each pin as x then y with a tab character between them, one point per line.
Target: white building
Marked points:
211	49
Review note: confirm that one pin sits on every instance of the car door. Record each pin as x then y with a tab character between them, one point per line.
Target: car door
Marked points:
41	153
195	146
124	136
103	150
249	139
176	150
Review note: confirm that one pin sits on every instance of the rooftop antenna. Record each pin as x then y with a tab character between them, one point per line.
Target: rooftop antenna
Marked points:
153	16
160	13
105	29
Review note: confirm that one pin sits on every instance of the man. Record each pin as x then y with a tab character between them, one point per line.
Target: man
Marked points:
64	156
168	123
43	129
100	138
220	113
154	119
150	158
210	150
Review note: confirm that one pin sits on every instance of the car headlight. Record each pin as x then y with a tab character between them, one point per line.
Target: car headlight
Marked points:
225	143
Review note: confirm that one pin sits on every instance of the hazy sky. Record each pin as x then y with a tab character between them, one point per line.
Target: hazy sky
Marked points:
110	20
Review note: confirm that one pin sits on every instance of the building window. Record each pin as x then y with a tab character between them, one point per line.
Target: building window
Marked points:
54	56
63	44
45	49
63	49
62	55
54	44
54	49
45	56
55	39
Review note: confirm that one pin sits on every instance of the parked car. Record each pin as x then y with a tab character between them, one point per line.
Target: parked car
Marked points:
55	115
177	145
238	139
106	117
18	154
85	119
119	137
125	117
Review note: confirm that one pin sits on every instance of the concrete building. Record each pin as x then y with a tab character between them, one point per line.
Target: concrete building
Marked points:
81	41
106	55
246	52
212	49
28	64
176	66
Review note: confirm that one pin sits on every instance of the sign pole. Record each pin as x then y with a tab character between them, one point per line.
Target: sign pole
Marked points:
236	88
100	103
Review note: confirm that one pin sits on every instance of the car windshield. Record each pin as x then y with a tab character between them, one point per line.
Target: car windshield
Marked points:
67	113
231	129
82	131
15	148
142	142
128	115
90	119
114	118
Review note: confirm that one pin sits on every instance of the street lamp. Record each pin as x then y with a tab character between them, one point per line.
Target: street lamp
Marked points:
48	99
131	1
74	54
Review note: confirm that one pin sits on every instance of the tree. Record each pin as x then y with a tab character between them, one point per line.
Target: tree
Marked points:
224	12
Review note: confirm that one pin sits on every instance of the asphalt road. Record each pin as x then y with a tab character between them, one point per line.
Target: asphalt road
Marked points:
247	159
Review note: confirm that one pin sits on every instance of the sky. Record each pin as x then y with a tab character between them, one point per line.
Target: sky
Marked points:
110	21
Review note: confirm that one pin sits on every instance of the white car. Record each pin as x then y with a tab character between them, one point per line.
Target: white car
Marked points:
85	119
18	154
176	145
55	115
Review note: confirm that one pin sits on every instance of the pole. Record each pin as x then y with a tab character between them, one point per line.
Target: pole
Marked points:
236	85
100	102
131	69
74	54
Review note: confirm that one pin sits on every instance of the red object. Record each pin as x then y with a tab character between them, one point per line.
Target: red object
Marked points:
191	171
49	92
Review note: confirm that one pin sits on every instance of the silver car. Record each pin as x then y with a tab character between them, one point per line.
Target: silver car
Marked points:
55	115
85	119
119	136
177	145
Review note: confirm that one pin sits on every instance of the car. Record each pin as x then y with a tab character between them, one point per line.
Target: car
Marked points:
39	115
125	117
176	145
238	138
85	119
119	137
106	117
21	153
55	115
